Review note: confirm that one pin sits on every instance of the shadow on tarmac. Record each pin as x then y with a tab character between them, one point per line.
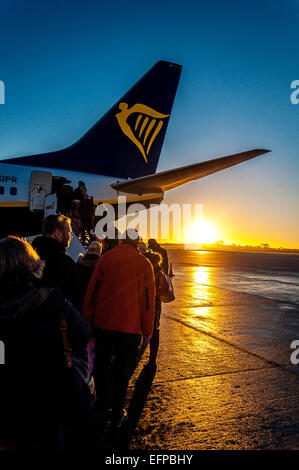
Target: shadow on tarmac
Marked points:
120	439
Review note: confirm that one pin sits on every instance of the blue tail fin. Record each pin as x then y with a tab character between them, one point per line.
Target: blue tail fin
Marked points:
126	142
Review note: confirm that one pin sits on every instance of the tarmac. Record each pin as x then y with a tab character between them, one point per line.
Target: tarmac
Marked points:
224	380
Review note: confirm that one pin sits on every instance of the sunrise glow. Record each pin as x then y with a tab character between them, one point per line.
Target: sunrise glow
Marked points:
202	231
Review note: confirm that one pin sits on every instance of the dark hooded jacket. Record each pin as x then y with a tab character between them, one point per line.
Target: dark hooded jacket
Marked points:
85	268
33	388
60	268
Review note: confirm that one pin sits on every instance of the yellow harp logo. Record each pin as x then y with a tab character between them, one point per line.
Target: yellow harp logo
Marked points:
147	125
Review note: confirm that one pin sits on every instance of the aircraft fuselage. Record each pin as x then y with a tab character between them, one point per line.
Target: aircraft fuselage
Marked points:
15	214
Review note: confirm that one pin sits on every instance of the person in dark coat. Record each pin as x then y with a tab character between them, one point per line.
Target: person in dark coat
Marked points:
86	211
154	246
60	268
156	260
80	192
112	237
87	263
85	266
33	402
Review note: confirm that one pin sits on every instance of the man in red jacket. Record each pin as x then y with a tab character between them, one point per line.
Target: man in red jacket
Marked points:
120	304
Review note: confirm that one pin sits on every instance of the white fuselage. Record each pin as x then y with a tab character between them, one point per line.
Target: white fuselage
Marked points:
98	186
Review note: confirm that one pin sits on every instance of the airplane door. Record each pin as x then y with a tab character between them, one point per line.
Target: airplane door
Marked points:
50	205
40	186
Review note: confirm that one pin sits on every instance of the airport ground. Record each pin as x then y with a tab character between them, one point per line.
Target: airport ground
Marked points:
224	378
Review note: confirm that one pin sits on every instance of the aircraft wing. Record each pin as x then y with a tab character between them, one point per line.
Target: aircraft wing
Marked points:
172	178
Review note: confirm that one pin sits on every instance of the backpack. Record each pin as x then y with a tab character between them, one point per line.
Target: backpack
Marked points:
165	288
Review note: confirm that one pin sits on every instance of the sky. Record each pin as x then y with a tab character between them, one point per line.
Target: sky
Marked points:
64	64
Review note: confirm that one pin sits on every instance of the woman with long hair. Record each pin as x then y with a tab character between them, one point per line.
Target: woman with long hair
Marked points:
34	401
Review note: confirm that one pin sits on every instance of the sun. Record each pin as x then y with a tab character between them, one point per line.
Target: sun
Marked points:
202	231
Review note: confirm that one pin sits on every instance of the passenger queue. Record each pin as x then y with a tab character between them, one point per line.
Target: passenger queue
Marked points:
73	332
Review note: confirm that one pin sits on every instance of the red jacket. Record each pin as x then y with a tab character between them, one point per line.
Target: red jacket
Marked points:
121	292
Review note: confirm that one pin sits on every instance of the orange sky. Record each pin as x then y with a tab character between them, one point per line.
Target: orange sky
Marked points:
232	224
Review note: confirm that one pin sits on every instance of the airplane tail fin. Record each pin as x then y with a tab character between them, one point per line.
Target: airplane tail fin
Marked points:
126	142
